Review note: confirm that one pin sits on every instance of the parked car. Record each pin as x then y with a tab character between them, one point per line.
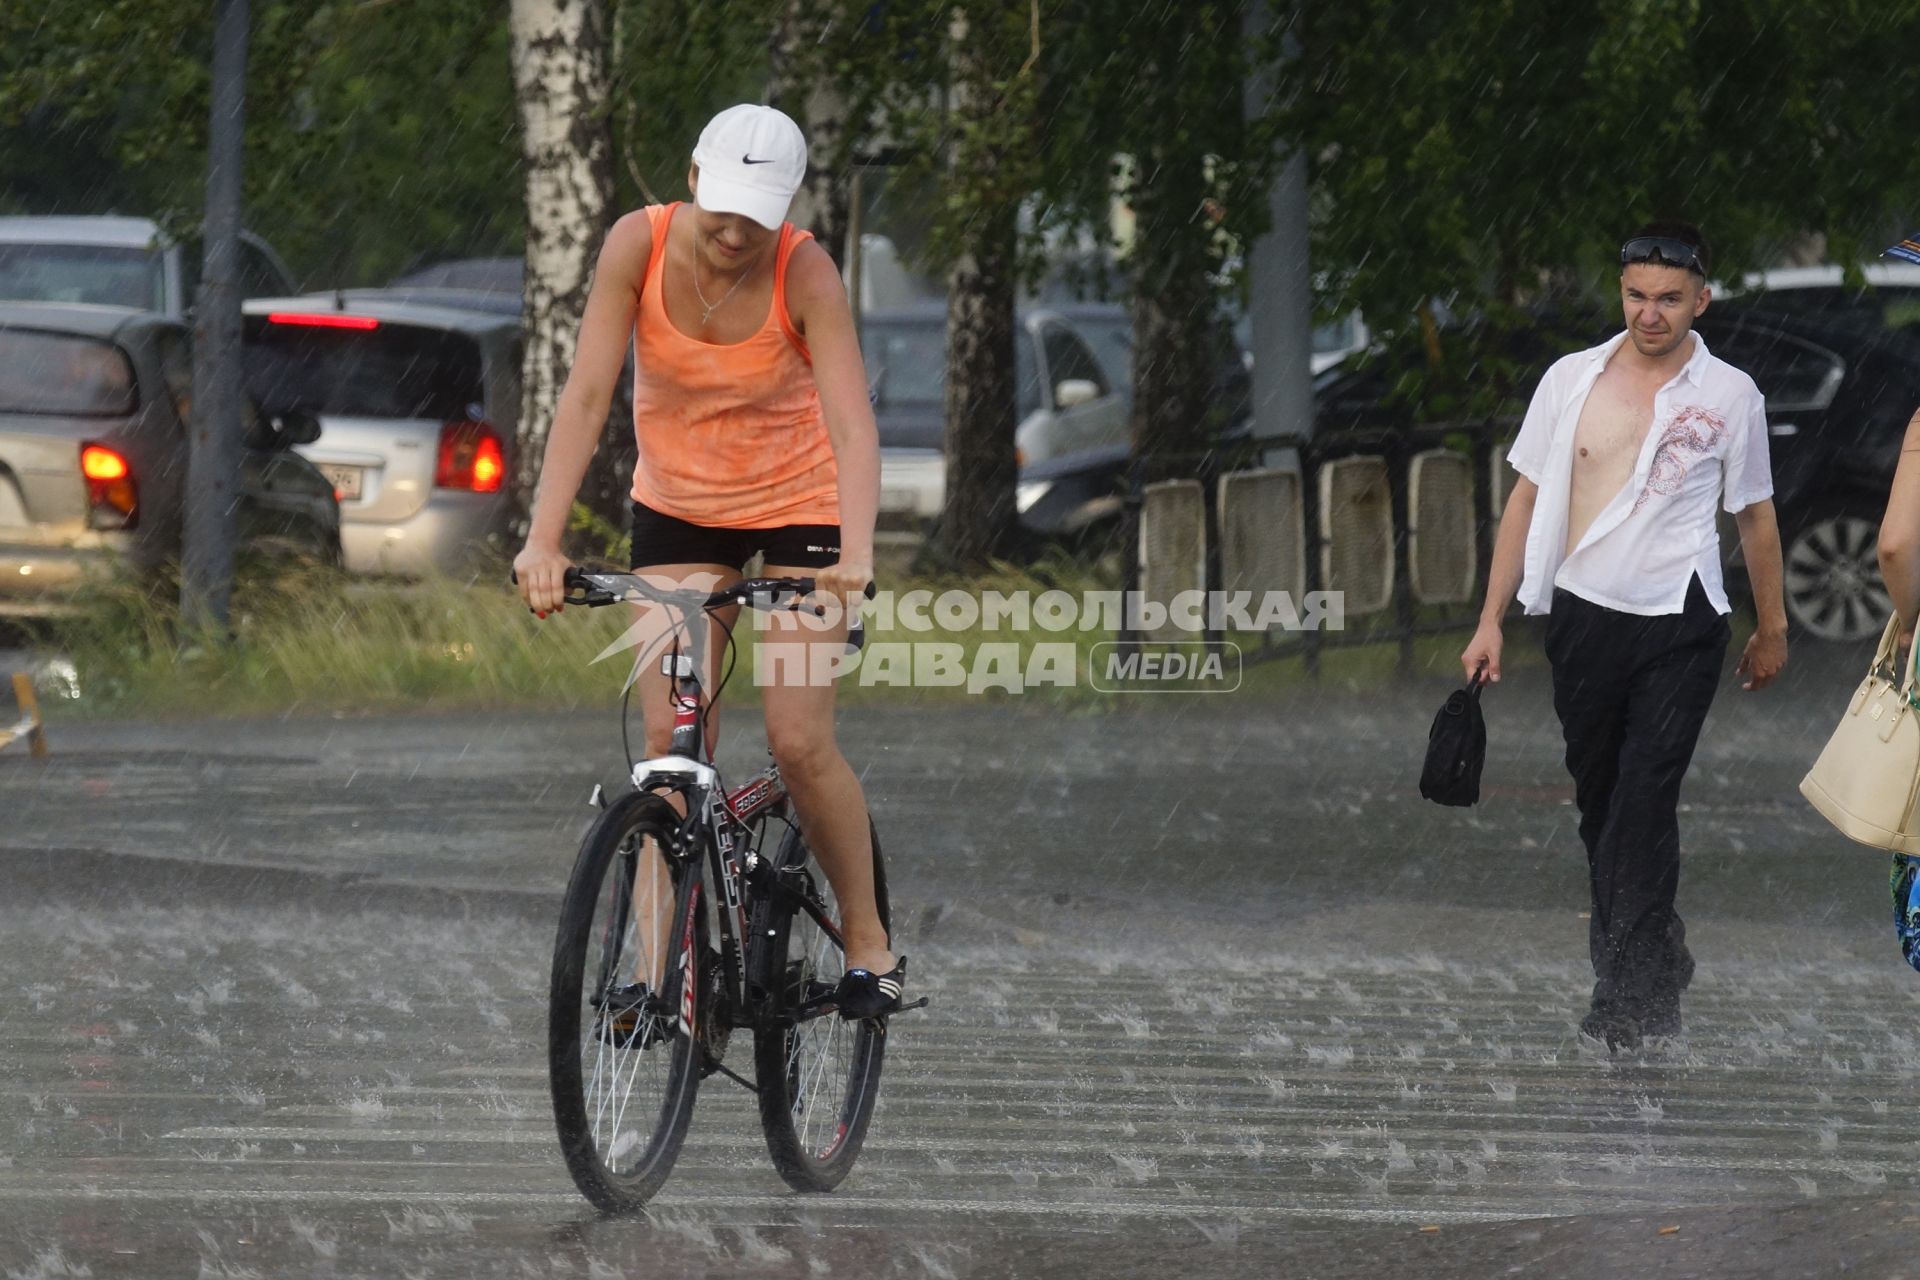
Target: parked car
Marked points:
95	404
1337	339
417	405
1840	389
1891	291
1065	401
121	262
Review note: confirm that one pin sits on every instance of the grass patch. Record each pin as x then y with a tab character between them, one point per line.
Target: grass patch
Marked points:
313	641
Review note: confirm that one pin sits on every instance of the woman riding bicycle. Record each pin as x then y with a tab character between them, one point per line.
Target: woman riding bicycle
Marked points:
755	435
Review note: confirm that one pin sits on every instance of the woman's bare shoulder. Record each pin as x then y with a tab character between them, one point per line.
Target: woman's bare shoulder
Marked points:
629	243
812	277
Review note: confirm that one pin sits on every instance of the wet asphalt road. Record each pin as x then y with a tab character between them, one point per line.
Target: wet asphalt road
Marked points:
1212	988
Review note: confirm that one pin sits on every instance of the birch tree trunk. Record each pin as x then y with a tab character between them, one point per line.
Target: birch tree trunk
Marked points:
799	88
560	90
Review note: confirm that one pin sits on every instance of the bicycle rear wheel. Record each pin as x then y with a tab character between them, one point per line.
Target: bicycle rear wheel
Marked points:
624	1066
818	1077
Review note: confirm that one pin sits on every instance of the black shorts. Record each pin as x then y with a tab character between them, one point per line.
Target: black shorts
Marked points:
663	539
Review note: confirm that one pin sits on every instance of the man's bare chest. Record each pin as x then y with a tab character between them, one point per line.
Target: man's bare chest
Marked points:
1613	426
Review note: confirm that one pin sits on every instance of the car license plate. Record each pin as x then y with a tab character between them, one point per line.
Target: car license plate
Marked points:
345	480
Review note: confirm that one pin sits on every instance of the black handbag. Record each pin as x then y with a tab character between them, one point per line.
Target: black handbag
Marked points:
1456	748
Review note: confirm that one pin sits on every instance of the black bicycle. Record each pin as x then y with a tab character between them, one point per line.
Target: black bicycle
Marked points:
678	930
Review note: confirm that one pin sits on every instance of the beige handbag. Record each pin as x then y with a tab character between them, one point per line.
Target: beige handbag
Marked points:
1867	779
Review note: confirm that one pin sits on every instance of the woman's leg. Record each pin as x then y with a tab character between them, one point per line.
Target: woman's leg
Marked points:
797	694
653	634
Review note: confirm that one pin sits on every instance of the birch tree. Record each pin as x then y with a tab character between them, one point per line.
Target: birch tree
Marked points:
560	88
817	101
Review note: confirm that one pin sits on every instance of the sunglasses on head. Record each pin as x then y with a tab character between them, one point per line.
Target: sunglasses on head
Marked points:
1662	251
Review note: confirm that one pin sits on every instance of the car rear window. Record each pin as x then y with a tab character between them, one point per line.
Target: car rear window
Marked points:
114	277
390	371
57	373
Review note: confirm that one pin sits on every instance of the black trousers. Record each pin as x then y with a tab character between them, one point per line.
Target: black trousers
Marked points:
1632	693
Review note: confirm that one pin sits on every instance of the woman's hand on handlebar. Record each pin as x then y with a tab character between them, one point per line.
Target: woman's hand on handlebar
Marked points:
847	582
541	573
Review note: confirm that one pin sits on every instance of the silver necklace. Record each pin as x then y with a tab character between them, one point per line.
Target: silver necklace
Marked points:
710	307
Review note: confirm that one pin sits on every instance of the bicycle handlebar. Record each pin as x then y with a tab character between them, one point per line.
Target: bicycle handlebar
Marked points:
592	590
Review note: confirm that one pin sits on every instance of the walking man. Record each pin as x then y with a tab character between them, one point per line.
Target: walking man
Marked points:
1624	455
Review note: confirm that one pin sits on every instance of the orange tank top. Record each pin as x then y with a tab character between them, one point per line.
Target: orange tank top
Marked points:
731	435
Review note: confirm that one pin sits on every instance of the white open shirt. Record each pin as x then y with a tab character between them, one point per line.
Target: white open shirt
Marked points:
1708	439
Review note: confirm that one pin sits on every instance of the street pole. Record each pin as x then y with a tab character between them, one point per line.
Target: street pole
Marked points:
213	462
1282	279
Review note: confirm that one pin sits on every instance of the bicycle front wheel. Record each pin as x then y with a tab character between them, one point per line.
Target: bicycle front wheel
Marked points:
626	1006
818	1076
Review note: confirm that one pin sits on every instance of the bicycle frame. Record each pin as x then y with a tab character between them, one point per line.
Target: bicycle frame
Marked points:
716	827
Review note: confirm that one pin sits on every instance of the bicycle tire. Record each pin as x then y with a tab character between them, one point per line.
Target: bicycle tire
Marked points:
592	1070
842	1060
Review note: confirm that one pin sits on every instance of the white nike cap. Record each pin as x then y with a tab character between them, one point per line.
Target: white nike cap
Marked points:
752	159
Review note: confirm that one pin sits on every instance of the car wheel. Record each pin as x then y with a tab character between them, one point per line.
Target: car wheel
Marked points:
1832	579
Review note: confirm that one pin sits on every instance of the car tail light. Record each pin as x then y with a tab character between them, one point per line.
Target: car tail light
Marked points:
322	320
470	458
112	495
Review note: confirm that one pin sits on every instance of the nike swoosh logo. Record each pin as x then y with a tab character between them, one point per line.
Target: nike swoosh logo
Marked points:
747	159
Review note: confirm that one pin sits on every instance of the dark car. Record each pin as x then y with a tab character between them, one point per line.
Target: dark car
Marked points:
1840	388
94	407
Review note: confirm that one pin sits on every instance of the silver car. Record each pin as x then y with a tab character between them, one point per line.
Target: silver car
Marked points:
417	405
95	405
1064	398
119	262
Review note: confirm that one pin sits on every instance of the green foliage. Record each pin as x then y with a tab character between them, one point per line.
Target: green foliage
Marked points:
378	133
1489	154
959	119
1497	153
593	536
381	133
1168	100
675	63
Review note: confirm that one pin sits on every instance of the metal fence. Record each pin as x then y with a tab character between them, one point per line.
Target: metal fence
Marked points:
1398	522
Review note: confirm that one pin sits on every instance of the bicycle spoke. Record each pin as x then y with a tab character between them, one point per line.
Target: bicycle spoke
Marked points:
805	1103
